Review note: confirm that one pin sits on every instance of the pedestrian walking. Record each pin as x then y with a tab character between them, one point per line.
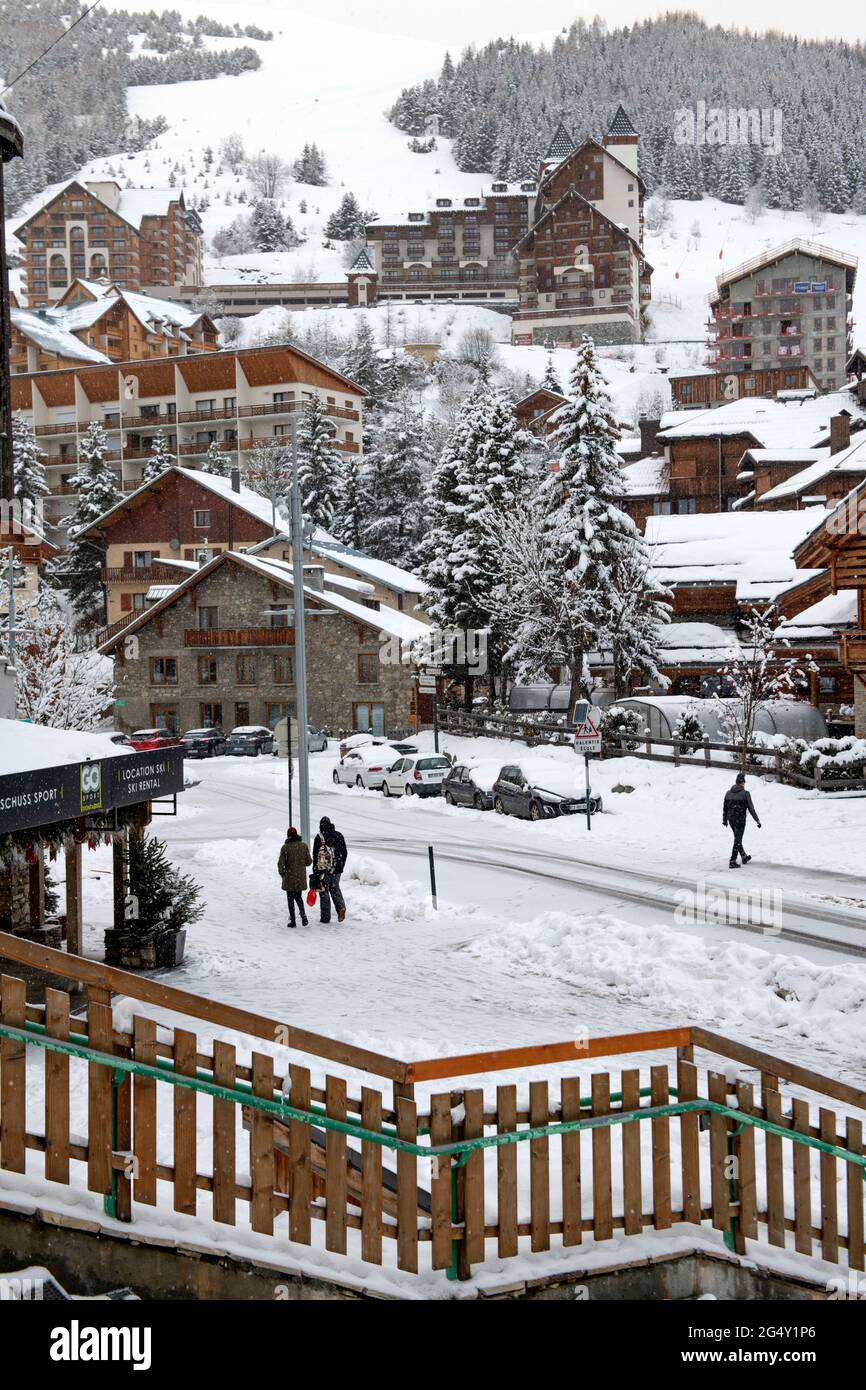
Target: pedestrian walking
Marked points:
292	867
738	804
329	861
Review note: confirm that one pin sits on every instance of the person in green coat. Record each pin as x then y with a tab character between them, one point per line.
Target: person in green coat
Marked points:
292	867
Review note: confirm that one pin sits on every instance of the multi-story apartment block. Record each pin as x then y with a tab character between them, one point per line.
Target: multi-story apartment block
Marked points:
790	305
582	267
458	248
238	399
97	322
138	238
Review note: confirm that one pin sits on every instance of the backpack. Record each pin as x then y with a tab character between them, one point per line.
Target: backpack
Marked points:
325	859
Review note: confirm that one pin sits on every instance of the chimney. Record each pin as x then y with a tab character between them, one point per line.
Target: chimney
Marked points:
840	432
236	479
314	577
648	436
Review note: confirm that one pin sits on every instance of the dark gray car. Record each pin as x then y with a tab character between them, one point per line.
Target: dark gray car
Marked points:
515	795
461	789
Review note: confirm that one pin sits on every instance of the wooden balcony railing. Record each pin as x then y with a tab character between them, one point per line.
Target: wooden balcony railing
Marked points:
239	637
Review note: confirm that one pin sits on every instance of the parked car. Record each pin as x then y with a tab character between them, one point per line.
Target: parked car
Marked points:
364	766
471	785
122	739
203	743
417	776
365	740
317	740
144	740
249	740
528	793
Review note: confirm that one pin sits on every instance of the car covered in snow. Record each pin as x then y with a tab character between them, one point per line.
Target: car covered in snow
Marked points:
365	766
249	740
317	740
146	740
203	743
365	740
539	790
418	775
471	784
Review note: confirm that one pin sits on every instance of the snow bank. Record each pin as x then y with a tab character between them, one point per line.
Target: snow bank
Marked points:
737	987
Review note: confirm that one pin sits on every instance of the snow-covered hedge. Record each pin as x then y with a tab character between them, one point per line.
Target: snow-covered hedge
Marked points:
840	759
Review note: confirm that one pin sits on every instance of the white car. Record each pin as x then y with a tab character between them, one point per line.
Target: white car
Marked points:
364	767
417	776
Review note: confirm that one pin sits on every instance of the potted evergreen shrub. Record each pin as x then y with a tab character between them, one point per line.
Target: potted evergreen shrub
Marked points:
163	902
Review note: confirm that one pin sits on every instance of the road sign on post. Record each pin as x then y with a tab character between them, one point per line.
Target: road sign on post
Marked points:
587	738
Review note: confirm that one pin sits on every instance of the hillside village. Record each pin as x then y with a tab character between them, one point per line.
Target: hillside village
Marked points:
362	464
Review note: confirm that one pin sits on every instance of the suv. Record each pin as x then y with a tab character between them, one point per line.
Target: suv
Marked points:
144	740
249	740
514	794
203	743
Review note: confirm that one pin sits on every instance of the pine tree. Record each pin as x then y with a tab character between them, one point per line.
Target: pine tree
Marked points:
160	459
392	477
271	231
215	461
352	512
28	471
550	380
79	569
320	467
166	899
346	221
361	362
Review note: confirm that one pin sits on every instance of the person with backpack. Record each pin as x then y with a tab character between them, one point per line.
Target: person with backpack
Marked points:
292	868
329	861
737	805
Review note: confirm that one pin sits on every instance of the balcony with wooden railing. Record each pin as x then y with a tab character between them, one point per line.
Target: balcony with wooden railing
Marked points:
239	637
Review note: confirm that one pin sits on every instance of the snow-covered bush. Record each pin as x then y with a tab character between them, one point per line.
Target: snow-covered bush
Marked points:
618	724
689	730
837	759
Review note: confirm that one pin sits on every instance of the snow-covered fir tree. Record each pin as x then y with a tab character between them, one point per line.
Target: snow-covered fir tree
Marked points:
320	466
28	470
347	220
353	508
550	381
271	229
361	361
79	568
160	459
395	464
268	471
216	462
310	166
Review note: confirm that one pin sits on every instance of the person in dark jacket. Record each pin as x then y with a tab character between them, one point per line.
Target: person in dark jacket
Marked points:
329	861
738	804
292	867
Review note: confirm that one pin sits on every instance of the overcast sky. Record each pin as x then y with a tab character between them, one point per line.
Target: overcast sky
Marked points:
458	22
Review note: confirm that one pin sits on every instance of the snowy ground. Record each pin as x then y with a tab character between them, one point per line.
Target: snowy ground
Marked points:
542	930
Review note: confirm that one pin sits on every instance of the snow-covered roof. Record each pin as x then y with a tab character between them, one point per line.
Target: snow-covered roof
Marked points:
245	499
133	205
647	477
51	335
691	644
802	456
392	576
621	124
561	144
363	263
25	747
824	618
772	423
754	550
159	591
343	581
850	460
155	314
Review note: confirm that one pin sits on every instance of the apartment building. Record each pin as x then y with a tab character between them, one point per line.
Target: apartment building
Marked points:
138	238
790	306
94	321
238	399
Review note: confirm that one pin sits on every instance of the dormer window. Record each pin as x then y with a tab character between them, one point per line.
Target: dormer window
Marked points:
443	203
500	188
472	202
416	217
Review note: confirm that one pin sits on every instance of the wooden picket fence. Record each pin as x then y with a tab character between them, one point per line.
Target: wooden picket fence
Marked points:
422	1178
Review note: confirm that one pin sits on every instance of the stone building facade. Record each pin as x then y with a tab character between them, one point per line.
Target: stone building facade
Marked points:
220	651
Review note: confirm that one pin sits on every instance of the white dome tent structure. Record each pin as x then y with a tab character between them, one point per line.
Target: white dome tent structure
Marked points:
789	718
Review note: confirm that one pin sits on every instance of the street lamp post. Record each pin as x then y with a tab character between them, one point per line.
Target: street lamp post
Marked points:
300	638
11	147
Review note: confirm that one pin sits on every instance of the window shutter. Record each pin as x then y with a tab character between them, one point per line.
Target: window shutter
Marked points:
189	555
127	559
126	603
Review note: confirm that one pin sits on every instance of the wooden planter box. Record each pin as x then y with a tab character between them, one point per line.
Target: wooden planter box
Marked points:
129	951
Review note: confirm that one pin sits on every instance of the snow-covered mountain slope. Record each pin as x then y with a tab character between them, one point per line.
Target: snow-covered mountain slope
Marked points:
331	84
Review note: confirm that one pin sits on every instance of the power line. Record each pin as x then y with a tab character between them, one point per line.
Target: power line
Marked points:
53	44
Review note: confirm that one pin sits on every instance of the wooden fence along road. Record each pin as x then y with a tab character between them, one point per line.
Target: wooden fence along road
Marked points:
440	1180
762	761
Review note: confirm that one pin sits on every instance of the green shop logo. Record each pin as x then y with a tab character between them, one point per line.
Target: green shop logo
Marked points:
91	787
